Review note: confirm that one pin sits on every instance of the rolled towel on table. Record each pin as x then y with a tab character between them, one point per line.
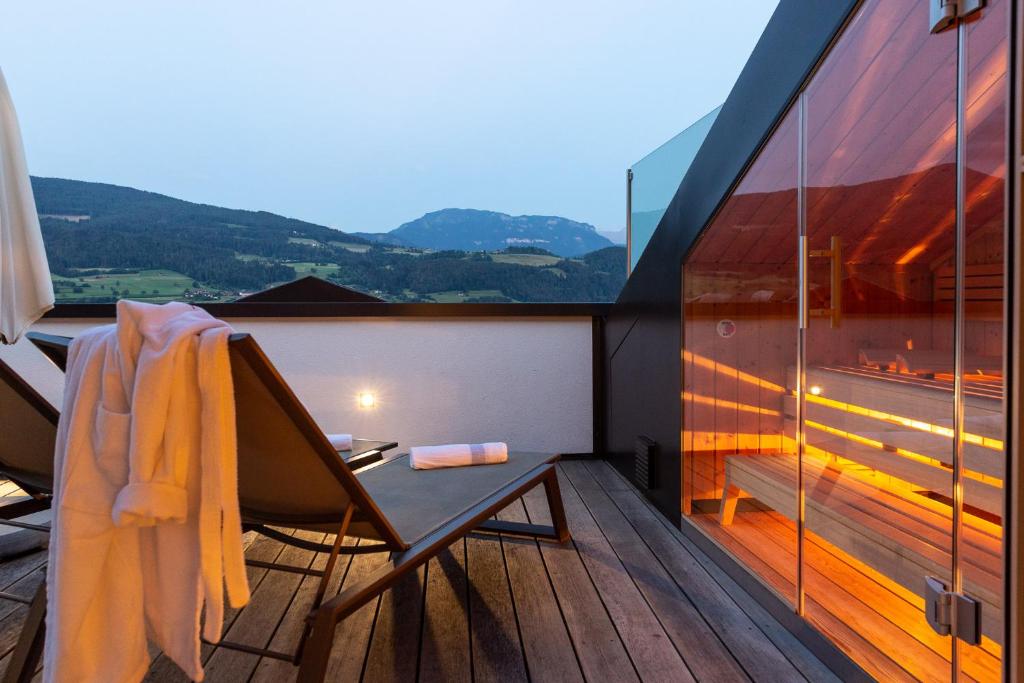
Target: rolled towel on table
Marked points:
340	442
457	455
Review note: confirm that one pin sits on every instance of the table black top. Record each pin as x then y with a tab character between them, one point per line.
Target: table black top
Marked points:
362	448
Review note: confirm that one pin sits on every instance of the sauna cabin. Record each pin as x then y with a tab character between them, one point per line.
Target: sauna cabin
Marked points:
842	347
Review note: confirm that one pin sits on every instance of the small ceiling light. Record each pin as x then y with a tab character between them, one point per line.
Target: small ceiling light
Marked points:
815	390
367	400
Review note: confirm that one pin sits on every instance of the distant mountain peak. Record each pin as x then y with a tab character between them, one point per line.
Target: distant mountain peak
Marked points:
481	230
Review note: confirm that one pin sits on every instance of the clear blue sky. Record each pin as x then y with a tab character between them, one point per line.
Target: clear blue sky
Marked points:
363	115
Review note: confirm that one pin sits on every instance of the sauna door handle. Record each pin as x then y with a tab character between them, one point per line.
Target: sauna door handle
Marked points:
802	286
835	301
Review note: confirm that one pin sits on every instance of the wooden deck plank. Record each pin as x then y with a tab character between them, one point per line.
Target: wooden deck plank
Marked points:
651	649
256	625
808	665
847	638
259	548
797	653
549	651
394	650
17	568
444	645
10	625
702	650
495	644
598	645
352	636
287	634
849	620
760	658
499	608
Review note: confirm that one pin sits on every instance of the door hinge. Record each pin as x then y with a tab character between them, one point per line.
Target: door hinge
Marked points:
939	602
944	13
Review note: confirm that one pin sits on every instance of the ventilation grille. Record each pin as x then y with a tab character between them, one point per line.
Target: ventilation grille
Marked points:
646	462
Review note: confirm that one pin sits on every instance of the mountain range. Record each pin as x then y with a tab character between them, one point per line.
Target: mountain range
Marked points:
476	230
106	241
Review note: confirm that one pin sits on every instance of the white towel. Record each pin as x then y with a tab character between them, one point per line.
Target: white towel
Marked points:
26	291
146	527
457	455
340	442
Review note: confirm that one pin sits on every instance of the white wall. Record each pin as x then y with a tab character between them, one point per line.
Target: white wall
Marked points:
526	381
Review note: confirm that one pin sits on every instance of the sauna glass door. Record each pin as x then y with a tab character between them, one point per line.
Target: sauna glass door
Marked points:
879	202
900	387
843	346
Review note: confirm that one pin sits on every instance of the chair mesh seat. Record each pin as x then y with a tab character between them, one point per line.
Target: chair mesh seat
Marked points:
417	502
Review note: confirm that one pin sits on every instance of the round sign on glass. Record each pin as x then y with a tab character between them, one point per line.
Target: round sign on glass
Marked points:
726	328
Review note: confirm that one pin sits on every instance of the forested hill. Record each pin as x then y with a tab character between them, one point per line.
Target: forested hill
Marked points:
475	230
89	225
105	241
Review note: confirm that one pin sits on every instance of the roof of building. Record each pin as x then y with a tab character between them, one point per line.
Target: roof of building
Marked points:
310	289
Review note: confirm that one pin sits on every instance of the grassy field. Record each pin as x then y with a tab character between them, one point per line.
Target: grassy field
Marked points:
357	248
304	268
526	259
459	297
408	251
145	285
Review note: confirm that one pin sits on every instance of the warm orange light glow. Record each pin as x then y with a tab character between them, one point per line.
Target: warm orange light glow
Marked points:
976	439
911	254
722	403
910	455
815	390
730	371
367	400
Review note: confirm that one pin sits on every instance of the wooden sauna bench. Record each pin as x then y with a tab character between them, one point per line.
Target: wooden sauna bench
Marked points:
900	425
878	476
900	538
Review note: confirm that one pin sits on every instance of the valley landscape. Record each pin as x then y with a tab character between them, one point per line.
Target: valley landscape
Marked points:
106	242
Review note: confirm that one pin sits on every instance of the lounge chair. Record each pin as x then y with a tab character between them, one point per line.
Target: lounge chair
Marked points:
290	476
26	458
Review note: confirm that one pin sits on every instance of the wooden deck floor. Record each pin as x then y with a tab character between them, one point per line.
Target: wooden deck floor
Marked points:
630	598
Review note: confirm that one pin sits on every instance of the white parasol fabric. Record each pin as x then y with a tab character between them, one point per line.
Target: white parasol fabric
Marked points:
26	290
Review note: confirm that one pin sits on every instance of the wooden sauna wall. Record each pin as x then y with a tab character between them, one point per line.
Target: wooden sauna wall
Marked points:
985	283
733	385
882	308
742	270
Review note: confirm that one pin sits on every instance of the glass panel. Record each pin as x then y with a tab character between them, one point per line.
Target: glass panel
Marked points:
656	178
984	154
877	377
740	349
879	349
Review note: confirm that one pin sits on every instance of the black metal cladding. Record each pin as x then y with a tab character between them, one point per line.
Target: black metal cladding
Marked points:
643	333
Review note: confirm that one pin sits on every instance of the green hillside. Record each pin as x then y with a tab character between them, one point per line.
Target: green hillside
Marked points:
106	242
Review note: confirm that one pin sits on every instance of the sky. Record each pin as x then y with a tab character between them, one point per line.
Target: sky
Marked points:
365	115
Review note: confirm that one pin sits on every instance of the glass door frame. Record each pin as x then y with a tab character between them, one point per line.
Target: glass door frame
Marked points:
1013	655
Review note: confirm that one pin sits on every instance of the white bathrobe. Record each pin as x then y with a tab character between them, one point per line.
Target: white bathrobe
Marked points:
146	526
